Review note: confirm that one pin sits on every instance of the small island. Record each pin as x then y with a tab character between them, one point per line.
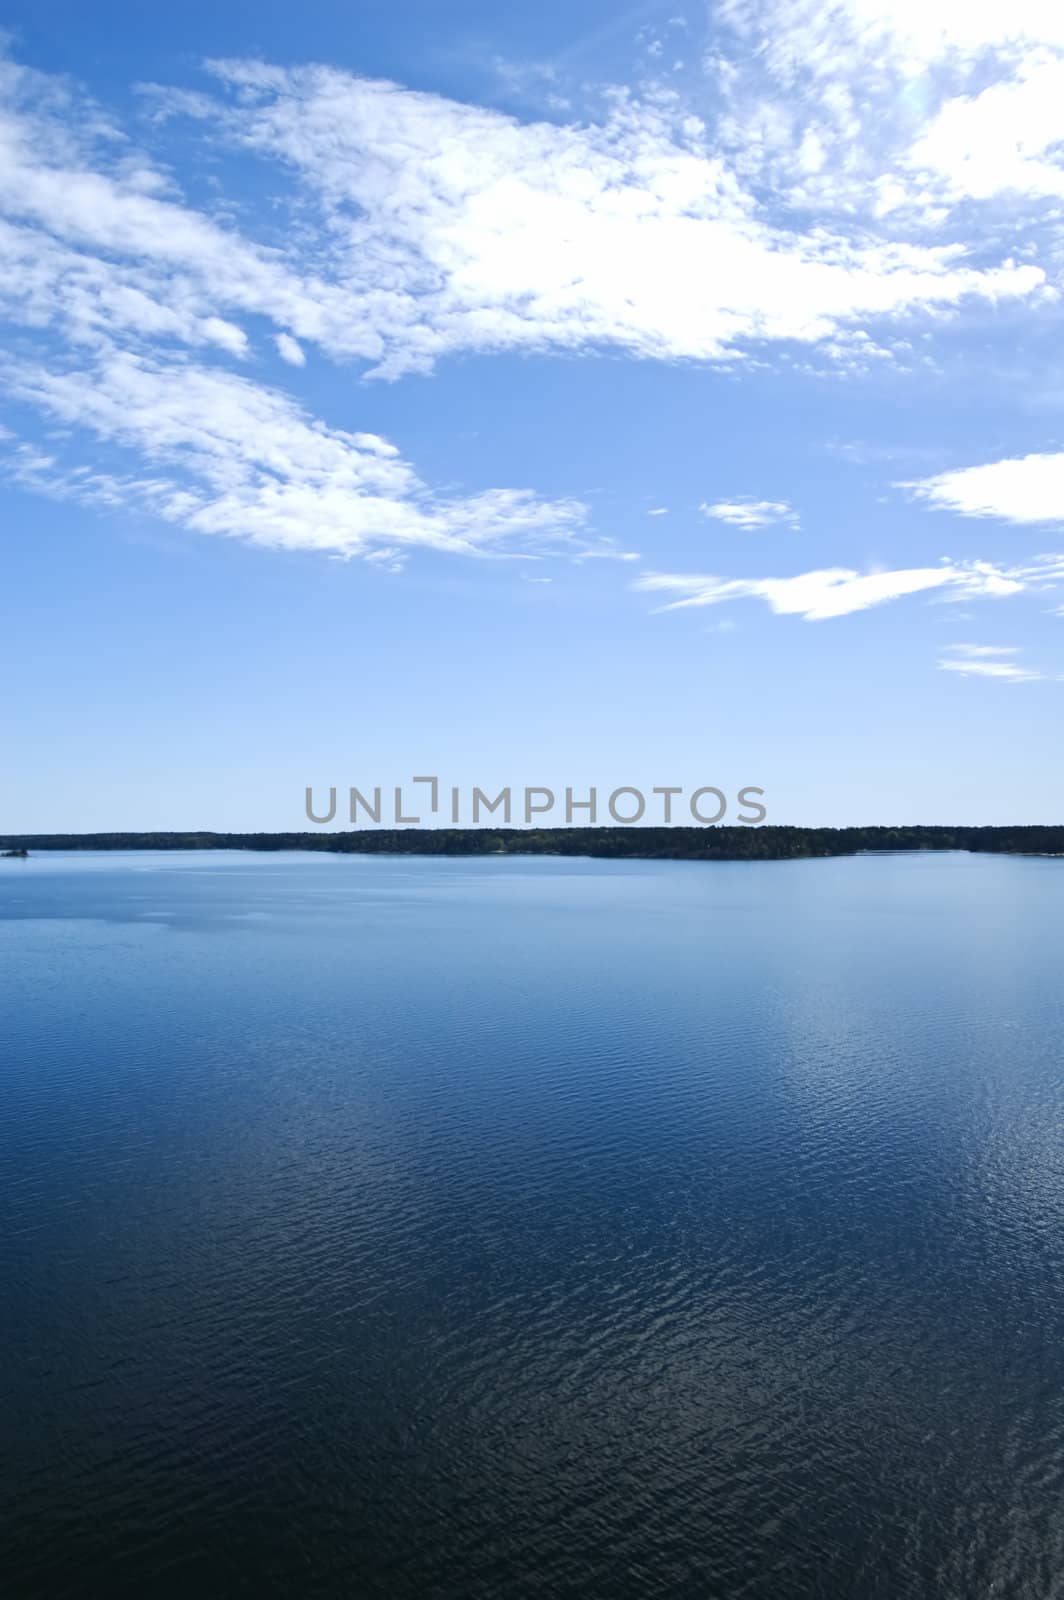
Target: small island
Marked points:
20	854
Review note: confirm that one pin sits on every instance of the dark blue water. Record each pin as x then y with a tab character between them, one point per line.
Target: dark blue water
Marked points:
420	1228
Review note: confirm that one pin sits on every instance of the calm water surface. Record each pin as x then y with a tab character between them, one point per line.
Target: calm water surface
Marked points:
414	1228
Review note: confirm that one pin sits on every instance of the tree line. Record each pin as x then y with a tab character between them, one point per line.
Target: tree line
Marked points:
723	843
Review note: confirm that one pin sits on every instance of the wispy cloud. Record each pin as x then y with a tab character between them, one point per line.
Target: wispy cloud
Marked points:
898	108
220	454
494	234
436	227
94	244
840	591
974	652
988	661
748	513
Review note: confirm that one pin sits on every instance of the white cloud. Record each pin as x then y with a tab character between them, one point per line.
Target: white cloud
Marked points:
1022	489
904	35
658	511
290	350
455	227
1007	670
114	280
893	108
748	513
91	243
436	227
220	454
47	284
988	661
1005	138
975	651
447	227
840	591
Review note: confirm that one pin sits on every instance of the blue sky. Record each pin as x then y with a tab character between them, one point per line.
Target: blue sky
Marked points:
562	395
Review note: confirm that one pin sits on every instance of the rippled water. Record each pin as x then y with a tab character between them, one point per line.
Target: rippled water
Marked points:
420	1228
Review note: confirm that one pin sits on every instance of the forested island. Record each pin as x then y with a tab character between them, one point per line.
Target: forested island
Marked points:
764	843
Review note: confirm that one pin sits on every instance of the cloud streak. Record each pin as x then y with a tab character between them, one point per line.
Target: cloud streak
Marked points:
833	592
988	661
231	457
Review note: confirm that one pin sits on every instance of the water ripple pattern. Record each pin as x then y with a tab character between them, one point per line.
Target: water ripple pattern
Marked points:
452	1230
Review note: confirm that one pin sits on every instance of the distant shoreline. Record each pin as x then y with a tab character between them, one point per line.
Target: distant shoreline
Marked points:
762	843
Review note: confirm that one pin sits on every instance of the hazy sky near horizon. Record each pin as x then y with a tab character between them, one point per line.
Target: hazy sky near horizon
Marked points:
559	395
